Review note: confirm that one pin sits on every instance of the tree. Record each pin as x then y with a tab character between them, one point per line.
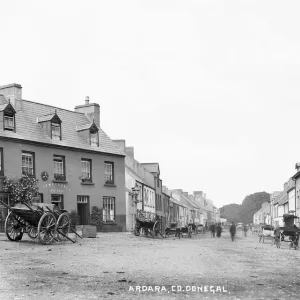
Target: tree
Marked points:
244	212
21	190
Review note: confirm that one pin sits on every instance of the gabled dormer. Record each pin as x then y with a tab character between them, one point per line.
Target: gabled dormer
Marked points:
51	123
7	117
90	133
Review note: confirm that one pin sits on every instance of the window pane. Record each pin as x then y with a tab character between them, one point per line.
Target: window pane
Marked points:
94	138
108	172
55	128
85	169
8	122
27	163
108	209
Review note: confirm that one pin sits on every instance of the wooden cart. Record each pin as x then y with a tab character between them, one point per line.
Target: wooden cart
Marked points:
43	221
288	233
149	223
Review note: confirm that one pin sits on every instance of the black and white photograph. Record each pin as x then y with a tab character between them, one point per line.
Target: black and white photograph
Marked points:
149	149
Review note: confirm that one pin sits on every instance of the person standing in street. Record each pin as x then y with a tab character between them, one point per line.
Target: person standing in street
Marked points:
219	230
212	229
232	231
245	230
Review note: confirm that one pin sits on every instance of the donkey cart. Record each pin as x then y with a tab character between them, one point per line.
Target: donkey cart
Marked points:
149	223
47	225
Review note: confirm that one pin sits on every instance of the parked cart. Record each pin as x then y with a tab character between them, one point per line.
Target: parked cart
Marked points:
288	233
149	223
266	233
173	228
43	221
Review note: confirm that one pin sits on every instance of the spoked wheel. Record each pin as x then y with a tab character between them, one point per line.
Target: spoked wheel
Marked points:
137	230
156	228
14	227
32	231
46	228
63	226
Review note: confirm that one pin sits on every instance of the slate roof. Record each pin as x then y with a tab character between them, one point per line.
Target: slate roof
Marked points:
84	127
176	202
283	199
2	106
46	118
27	128
152	167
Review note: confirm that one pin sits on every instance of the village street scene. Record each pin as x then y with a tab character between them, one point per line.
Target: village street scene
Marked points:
149	150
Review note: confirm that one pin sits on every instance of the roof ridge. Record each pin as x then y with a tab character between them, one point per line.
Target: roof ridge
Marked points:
42	104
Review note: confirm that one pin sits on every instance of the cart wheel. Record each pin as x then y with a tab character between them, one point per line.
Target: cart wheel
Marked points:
156	228
63	226
46	228
13	227
32	231
167	232
137	230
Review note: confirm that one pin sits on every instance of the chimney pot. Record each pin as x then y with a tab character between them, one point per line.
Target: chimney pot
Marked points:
87	100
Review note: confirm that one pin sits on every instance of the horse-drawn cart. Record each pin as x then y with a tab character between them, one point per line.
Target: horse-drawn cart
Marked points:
266	232
289	233
43	221
173	228
148	223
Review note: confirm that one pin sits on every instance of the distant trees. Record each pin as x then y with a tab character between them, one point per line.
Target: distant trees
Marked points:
244	212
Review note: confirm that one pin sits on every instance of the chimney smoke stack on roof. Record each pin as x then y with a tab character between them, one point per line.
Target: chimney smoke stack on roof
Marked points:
87	100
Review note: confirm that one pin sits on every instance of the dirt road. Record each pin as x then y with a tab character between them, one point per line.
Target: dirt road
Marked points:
120	266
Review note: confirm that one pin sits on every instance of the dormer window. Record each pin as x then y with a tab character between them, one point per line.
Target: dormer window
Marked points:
9	122
55	131
8	114
89	132
94	138
51	123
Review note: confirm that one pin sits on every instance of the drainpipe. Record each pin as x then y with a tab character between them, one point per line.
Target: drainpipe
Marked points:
295	197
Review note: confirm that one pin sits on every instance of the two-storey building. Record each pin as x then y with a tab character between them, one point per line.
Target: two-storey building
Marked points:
77	165
139	185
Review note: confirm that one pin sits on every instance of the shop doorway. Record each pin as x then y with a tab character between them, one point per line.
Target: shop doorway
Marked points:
83	209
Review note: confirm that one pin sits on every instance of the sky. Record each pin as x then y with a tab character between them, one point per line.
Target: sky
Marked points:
208	89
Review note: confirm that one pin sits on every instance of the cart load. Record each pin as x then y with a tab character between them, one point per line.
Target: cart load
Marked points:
148	222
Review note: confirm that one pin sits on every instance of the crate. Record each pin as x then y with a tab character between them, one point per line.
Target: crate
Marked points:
89	231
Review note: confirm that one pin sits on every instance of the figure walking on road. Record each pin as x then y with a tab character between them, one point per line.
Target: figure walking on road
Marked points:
219	230
245	230
232	231
212	229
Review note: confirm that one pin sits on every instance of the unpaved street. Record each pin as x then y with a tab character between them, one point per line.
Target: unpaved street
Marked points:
114	264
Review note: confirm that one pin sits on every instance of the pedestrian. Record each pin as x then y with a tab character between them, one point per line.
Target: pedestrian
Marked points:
212	229
245	230
219	230
232	231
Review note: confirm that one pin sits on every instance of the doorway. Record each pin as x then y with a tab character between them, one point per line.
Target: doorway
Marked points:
83	209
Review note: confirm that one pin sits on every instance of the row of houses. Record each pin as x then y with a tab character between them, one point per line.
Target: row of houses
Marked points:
79	166
286	201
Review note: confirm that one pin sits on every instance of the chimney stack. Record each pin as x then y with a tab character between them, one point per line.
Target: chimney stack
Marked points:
91	110
121	144
12	93
129	151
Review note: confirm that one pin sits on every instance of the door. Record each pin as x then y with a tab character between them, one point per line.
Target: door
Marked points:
83	209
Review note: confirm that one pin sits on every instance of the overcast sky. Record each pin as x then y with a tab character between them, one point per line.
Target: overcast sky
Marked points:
209	89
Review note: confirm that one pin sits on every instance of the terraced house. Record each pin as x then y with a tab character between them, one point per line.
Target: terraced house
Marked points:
77	165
